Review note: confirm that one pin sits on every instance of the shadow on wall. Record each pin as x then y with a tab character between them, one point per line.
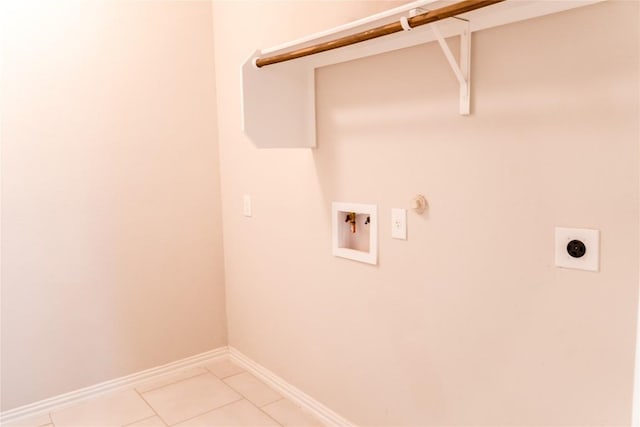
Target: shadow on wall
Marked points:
389	104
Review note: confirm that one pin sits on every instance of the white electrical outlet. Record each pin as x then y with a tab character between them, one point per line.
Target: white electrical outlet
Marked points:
399	224
578	248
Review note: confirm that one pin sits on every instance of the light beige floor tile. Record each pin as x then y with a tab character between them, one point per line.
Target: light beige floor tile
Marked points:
223	368
252	388
149	422
38	421
186	399
240	413
115	409
171	378
289	415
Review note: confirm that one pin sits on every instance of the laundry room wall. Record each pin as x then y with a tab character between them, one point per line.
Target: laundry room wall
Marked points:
111	223
468	322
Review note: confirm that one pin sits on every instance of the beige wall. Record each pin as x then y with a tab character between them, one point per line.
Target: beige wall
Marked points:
467	322
111	230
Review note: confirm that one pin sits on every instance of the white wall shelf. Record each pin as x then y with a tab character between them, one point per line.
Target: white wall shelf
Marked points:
278	101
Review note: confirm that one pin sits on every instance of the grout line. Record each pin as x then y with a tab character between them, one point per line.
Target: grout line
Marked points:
226	376
173	382
234	375
151	407
274	401
147	418
300	408
206	412
50	414
47	424
267	404
264	412
261	382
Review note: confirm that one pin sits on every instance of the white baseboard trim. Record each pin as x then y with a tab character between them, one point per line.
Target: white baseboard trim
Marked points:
47	405
326	415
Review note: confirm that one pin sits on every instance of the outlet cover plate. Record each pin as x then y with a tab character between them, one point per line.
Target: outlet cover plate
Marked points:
590	261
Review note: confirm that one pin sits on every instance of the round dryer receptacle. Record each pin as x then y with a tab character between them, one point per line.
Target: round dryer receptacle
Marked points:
576	249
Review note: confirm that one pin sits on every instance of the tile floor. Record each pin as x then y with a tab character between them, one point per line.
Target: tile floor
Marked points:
216	394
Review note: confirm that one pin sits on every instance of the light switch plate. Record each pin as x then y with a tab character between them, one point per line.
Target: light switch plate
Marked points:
578	248
399	224
246	205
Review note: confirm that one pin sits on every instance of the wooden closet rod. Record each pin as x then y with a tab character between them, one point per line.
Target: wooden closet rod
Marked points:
394	27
